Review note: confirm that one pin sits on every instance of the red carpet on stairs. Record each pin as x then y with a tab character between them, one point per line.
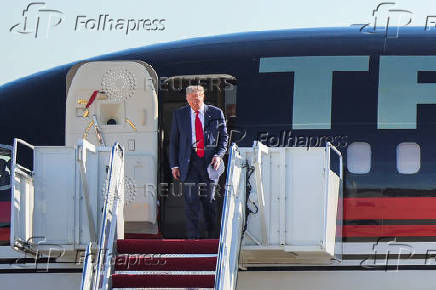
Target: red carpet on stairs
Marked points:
156	263
143	236
150	268
163	281
167	246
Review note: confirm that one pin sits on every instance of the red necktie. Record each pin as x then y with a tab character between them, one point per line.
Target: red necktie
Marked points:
199	135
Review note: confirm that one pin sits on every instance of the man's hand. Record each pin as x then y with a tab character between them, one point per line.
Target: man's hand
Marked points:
176	173
216	161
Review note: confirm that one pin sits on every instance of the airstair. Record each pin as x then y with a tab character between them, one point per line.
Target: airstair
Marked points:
281	206
57	201
160	263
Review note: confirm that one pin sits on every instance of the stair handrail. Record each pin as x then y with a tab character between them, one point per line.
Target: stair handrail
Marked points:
10	149
87	273
18	170
330	147
231	226
98	277
83	147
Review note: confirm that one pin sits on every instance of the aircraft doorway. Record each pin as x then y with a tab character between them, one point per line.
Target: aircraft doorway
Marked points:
220	91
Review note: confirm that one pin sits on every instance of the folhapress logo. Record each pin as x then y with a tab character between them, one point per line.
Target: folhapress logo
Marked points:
37	20
107	23
387	19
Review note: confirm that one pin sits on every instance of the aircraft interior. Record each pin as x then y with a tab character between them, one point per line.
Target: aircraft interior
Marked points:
220	91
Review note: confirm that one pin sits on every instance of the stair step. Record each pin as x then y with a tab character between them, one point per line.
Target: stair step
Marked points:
161	263
168	256
162	281
167	246
153	288
186	273
142	236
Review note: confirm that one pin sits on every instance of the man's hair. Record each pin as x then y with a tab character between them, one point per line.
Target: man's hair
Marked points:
191	89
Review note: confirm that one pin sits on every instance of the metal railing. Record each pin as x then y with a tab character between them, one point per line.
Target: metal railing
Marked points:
88	271
98	277
339	214
6	152
21	178
232	221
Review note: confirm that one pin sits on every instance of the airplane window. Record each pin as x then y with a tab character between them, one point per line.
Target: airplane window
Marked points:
408	158
111	122
359	157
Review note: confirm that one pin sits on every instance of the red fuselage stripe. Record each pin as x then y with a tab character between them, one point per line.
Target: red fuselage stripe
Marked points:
5	212
4	234
389	231
390	208
379	208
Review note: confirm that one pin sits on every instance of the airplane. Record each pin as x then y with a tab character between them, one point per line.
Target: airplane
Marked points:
371	96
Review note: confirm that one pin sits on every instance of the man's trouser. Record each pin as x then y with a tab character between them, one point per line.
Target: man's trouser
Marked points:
199	189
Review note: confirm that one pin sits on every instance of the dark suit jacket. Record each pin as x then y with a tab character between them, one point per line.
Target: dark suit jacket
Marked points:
215	137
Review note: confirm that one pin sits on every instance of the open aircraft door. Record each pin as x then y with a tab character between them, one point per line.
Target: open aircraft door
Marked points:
116	101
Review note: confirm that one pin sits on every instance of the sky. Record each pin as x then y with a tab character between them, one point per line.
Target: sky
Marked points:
60	32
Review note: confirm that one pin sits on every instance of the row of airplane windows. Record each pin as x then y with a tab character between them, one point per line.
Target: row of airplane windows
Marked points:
359	158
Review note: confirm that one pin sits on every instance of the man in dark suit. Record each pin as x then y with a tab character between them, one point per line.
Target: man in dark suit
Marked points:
198	138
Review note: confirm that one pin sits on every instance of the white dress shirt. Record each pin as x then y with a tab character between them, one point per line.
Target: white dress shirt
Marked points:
201	117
